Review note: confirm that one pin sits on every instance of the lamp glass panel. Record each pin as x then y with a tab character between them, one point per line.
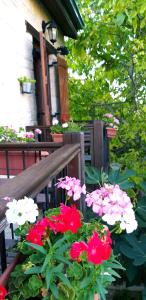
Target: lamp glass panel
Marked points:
52	34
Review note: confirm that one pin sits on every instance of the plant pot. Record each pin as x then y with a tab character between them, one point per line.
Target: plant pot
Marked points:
111	132
26	87
17	161
57	137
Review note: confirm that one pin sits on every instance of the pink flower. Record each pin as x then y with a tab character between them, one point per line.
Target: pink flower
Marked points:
116	121
29	134
113	205
38	131
72	186
108	115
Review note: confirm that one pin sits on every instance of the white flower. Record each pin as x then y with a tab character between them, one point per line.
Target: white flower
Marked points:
129	227
55	121
12	212
21	211
65	125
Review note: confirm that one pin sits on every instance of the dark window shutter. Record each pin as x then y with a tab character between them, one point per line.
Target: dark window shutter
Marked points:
63	89
45	99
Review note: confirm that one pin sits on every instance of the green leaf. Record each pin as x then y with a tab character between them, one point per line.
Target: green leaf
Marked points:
120	19
48	277
64	279
86	281
92	175
37	247
37	258
35	283
46	262
58	268
33	270
54	290
62	259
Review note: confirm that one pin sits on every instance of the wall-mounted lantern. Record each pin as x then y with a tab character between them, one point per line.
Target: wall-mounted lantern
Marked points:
52	30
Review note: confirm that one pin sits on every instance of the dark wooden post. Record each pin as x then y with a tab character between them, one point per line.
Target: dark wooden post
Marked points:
100	155
76	167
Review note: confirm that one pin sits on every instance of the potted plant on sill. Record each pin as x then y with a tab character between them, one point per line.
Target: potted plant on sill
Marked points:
15	158
57	129
26	84
111	124
67	257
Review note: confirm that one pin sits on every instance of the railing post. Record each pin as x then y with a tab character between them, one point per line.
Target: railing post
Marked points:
3	251
100	146
76	167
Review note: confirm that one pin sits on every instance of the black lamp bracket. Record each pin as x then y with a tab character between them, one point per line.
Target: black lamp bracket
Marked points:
44	25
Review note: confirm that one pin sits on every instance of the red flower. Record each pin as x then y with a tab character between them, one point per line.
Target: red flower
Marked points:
95	249
36	232
42	225
68	219
99	250
3	292
106	241
71	218
34	236
77	249
56	224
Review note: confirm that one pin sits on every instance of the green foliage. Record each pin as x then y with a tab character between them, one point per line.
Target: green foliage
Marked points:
125	179
26	79
109	73
68	127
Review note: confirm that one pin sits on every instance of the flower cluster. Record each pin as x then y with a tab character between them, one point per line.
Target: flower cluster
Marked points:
65	127
68	219
97	249
110	120
72	186
9	134
67	257
21	211
113	205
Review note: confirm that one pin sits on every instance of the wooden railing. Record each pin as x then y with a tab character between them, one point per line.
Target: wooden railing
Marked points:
67	160
96	142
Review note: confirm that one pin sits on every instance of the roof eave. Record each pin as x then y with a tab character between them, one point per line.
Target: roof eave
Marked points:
66	15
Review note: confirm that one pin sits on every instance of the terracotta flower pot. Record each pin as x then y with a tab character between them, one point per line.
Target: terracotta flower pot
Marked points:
111	132
57	137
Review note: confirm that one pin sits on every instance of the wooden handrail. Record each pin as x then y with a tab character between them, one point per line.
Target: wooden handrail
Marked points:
35	178
30	146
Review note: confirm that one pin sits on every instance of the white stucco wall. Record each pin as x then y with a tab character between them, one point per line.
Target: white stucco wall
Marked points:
16	59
